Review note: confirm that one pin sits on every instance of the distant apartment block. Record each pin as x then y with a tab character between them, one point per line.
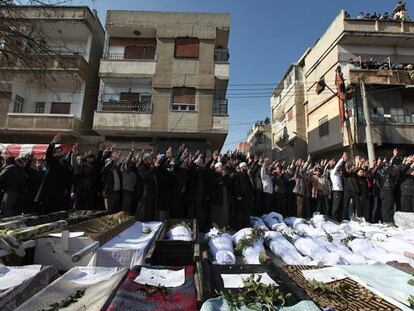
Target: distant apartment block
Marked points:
381	52
32	111
163	80
259	139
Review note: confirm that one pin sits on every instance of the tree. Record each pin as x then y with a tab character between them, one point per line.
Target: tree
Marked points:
30	44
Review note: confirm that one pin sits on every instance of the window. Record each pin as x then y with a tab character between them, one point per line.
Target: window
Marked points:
60	108
186	47
290	114
183	99
18	104
129	97
139	52
323	127
40	108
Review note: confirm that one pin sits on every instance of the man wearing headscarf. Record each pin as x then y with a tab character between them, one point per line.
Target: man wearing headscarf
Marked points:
245	196
218	203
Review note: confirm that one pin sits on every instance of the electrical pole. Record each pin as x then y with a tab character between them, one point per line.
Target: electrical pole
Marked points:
368	132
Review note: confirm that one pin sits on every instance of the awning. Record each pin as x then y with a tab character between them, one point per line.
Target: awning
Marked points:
38	150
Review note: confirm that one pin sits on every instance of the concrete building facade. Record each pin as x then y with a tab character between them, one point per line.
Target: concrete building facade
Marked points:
289	137
259	139
163	80
33	111
390	95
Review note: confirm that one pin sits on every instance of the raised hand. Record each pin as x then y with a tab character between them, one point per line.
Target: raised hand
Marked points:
57	138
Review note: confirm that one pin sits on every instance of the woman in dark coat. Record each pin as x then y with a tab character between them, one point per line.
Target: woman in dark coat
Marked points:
198	192
147	184
163	195
180	177
218	202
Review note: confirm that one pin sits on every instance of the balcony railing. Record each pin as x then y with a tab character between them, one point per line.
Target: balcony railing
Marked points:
220	107
69	62
43	122
147	54
221	55
126	106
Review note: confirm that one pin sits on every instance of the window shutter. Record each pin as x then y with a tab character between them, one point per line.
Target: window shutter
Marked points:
187	47
183	95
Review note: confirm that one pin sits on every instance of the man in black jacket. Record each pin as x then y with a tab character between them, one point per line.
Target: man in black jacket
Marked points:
12	182
407	185
351	191
112	184
387	177
54	191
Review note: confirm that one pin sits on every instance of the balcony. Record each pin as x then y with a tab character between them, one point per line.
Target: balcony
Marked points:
121	123
381	76
222	71
221	55
220	124
220	107
74	63
123	65
42	123
280	137
121	117
126	106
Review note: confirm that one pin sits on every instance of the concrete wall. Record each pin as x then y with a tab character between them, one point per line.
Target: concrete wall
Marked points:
127	68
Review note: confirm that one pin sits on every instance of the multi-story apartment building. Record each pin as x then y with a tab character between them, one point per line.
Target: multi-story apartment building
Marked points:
288	115
53	88
259	139
164	77
368	42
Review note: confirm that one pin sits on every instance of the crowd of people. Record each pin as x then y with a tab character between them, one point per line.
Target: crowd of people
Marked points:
400	13
373	64
224	189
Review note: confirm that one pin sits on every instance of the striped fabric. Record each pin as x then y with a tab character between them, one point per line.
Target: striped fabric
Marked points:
19	150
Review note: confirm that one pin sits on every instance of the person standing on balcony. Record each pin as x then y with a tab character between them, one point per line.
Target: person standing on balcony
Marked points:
54	191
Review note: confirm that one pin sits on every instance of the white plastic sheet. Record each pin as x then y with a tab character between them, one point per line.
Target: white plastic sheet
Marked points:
14	276
163	277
